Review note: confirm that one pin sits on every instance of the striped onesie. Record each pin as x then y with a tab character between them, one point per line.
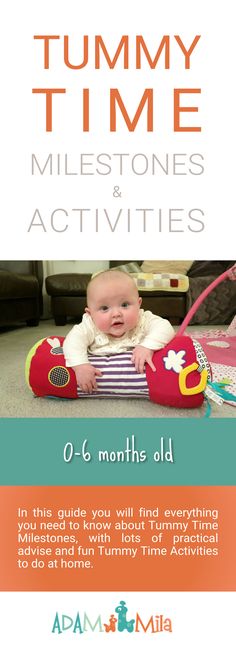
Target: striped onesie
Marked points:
86	344
119	377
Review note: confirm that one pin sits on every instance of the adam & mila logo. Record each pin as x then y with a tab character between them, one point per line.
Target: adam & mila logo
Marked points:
118	622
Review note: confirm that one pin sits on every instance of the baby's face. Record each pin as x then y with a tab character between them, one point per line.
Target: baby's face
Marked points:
114	305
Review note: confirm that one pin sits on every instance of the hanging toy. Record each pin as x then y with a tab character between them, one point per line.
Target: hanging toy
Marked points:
213	391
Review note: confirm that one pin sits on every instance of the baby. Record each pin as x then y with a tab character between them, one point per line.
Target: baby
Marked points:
113	323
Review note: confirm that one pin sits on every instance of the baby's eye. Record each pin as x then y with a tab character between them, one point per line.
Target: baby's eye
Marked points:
103	308
125	305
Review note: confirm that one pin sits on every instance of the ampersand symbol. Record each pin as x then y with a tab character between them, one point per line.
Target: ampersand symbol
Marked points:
116	192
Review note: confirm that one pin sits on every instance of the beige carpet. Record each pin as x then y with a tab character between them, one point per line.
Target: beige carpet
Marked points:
16	400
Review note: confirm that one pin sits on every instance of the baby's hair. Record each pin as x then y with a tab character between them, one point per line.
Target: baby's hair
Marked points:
112	272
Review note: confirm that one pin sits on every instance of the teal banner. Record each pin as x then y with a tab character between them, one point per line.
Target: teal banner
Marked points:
117	452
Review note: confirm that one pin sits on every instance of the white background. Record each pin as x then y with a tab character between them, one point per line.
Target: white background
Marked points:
199	620
23	130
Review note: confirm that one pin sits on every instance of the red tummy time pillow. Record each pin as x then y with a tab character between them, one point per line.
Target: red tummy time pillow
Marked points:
180	378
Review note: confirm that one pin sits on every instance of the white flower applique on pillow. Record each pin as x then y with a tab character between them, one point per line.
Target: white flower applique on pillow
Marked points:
174	360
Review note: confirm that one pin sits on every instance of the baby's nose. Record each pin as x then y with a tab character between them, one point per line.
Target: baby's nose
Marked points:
116	310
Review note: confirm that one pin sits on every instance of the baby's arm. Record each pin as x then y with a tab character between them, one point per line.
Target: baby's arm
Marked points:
158	332
75	351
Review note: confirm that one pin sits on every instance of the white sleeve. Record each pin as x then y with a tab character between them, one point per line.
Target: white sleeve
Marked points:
158	331
76	345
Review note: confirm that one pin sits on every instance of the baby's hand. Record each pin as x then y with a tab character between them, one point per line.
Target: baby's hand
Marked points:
142	355
86	377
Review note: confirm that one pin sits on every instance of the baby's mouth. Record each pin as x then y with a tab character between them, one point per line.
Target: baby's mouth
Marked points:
118	325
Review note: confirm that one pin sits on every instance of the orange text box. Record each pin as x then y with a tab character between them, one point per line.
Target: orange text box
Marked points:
117	538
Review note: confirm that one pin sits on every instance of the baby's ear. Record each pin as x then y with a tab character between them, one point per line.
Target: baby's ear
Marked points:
87	310
140	301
